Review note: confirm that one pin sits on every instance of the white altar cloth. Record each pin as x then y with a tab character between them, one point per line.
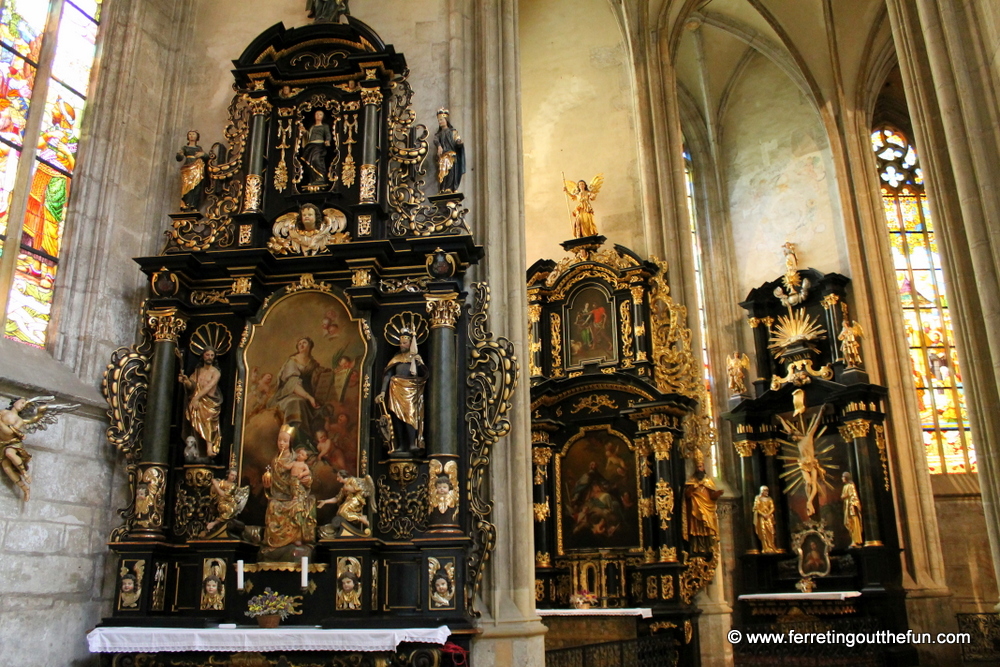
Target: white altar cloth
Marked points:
151	640
645	612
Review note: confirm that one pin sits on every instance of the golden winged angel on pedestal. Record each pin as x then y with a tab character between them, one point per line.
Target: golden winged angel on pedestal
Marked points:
584	194
21	417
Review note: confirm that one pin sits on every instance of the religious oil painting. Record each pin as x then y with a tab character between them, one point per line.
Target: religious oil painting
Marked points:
814	559
598	489
590	327
303	366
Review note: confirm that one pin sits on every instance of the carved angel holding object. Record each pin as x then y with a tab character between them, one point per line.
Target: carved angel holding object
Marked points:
736	364
584	195
21	417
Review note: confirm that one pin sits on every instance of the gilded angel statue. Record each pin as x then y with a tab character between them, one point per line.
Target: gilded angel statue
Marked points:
308	231
849	346
583	215
352	519
21	417
736	364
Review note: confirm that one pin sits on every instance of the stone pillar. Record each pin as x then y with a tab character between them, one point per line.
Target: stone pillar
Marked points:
371	96
253	186
443	406
153	470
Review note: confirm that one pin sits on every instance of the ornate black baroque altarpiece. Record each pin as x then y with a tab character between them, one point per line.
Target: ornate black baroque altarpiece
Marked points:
817	512
315	395
625	515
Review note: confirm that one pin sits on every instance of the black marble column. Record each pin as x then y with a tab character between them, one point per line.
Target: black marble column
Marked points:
253	188
372	99
667	500
858	431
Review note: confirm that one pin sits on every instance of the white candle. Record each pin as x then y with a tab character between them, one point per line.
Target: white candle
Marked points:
305	572
239	574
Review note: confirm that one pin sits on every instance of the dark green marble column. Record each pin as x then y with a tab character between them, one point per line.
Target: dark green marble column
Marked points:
442	423
372	99
254	185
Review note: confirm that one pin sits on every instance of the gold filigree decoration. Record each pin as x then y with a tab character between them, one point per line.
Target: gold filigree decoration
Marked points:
594	403
642	452
661	625
744	447
543	559
241	286
770	447
246	234
251	193
166	324
696	575
403	472
541	511
664	502
364	225
414	285
348	172
667	586
880	442
534	313
367	183
668	554
444	310
371	96
194	505
272	566
403	512
308	282
150	496
492	376
541	456
556	322
626	317
675	369
202	297
688	631
800	373
856	428
645	507
651	588
661	442
124	385
361	278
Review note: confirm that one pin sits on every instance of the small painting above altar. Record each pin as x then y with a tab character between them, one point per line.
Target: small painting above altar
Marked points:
598	488
304	364
591	327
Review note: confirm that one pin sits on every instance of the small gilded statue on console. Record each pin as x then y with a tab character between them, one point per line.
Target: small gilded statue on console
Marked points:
21	417
450	154
763	521
204	404
700	521
852	509
192	159
583	215
736	364
402	398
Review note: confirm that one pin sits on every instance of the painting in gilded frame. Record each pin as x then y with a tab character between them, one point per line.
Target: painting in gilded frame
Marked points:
303	364
590	325
598	492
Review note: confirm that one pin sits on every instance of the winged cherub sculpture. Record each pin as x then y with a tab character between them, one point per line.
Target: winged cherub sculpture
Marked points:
21	417
583	215
308	231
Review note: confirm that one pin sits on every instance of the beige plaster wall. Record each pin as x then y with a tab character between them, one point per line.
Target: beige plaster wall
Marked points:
577	117
779	176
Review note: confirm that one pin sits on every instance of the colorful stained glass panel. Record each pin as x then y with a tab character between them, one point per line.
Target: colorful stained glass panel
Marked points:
9	158
61	126
46	212
22	24
30	304
17	80
75	49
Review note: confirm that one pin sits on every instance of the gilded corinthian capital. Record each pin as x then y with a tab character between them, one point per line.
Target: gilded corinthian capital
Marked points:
166	324
444	310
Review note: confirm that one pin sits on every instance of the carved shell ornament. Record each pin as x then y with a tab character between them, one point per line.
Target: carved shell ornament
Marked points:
407	322
211	335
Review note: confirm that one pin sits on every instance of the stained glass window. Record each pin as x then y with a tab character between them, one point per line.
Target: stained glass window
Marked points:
40	124
922	294
699	282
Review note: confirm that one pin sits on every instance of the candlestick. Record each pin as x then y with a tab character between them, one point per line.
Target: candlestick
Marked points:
305	572
239	574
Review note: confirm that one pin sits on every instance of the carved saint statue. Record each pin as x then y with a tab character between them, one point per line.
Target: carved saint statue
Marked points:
192	159
290	520
355	493
849	346
230	498
21	417
204	404
736	364
450	154
763	520
584	195
328	11
317	141
852	510
402	397
700	520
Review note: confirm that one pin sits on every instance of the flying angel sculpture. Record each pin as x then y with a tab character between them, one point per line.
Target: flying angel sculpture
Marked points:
17	420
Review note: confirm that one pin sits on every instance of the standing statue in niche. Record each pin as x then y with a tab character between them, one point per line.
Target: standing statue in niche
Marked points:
763	520
852	510
192	159
701	520
402	397
450	154
736	364
327	11
317	142
21	417
584	195
204	401
850	348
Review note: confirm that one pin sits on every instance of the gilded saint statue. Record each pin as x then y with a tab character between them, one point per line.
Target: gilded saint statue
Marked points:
204	403
290	520
852	510
327	11
192	159
229	499
763	521
450	154
402	398
700	525
583	214
21	417
736	364
850	346
355	493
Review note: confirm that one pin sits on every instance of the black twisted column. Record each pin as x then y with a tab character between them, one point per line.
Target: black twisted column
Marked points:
442	449
149	522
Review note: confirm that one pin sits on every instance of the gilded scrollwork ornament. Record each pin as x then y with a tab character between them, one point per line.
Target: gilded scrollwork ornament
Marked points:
124	385
540	457
193	504
556	321
664	503
675	369
404	511
594	403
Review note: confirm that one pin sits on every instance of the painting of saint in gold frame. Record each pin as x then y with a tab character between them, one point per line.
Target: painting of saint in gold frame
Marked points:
598	492
304	365
590	327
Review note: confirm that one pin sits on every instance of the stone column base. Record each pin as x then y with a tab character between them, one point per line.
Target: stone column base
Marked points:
508	643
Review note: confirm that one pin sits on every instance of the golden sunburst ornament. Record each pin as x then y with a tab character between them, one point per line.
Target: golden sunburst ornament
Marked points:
795	328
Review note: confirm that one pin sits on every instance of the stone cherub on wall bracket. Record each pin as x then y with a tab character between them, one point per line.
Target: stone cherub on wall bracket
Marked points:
21	417
308	232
